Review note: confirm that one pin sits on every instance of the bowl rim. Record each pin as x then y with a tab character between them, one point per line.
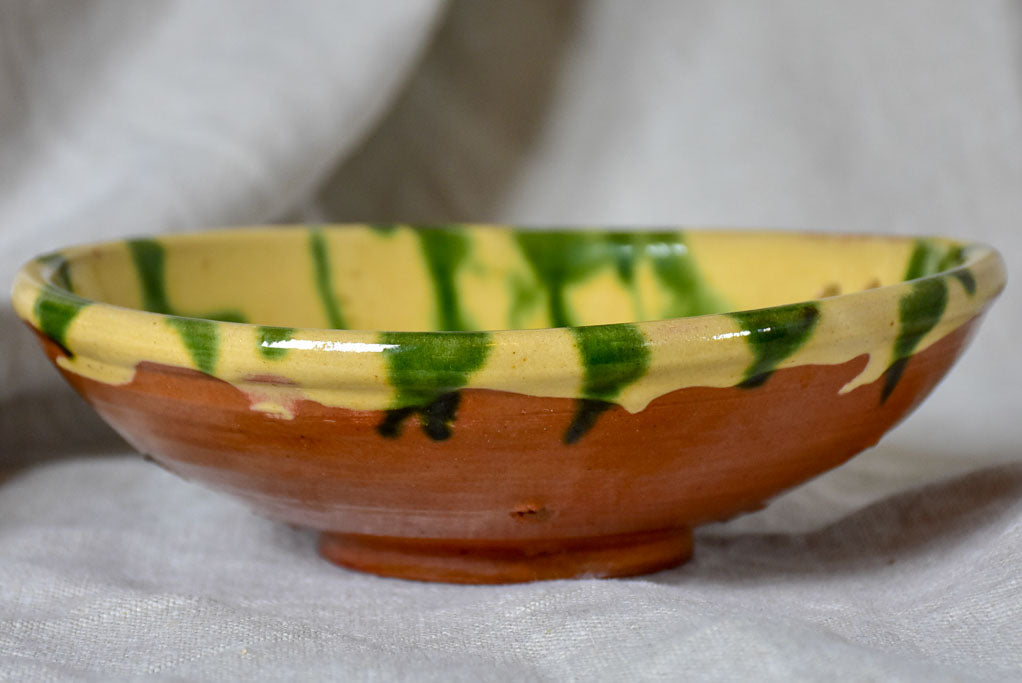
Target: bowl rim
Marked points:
38	273
704	350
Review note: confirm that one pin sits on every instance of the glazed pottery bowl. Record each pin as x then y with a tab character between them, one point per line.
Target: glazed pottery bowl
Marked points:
484	404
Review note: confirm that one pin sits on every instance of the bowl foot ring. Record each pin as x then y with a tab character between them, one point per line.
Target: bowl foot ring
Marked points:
481	561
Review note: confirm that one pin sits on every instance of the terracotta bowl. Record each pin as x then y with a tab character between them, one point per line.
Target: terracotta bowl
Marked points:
483	404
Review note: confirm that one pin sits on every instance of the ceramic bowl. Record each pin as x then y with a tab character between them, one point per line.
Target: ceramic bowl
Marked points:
485	404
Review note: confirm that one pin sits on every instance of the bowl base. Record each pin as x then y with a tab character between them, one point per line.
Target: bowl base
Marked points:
480	561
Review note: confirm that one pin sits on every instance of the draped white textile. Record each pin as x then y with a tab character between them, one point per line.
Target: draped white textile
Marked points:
120	118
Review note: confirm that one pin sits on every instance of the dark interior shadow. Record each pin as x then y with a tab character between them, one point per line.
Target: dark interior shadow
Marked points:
901	528
452	142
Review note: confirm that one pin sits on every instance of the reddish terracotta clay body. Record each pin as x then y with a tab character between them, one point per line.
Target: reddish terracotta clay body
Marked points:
505	499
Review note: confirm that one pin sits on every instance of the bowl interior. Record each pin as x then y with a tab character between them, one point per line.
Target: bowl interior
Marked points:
485	278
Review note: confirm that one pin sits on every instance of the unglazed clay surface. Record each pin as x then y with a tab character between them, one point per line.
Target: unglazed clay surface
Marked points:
473	403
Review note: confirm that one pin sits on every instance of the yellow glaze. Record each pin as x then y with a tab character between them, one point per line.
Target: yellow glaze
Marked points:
478	278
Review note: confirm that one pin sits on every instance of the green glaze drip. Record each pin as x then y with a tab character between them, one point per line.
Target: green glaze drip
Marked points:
60	272
386	229
919	311
525	296
436	418
953	261
676	270
268	336
427	369
613	356
559	259
201	338
923	260
954	257
199	332
967	279
324	279
423	365
150	258
445	249
930	258
774	334
55	310
625	247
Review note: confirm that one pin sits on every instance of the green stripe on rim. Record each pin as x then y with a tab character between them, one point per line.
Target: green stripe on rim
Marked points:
774	334
919	311
613	356
426	370
55	311
202	340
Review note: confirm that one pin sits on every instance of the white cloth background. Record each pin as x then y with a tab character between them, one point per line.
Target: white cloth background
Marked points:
132	118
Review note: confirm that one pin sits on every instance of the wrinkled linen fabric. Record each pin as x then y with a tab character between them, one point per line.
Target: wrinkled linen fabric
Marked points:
137	118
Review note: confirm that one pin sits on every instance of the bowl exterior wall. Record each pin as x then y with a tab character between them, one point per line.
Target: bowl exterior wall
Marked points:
505	474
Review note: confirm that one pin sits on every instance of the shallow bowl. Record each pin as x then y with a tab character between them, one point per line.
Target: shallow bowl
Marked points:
485	404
